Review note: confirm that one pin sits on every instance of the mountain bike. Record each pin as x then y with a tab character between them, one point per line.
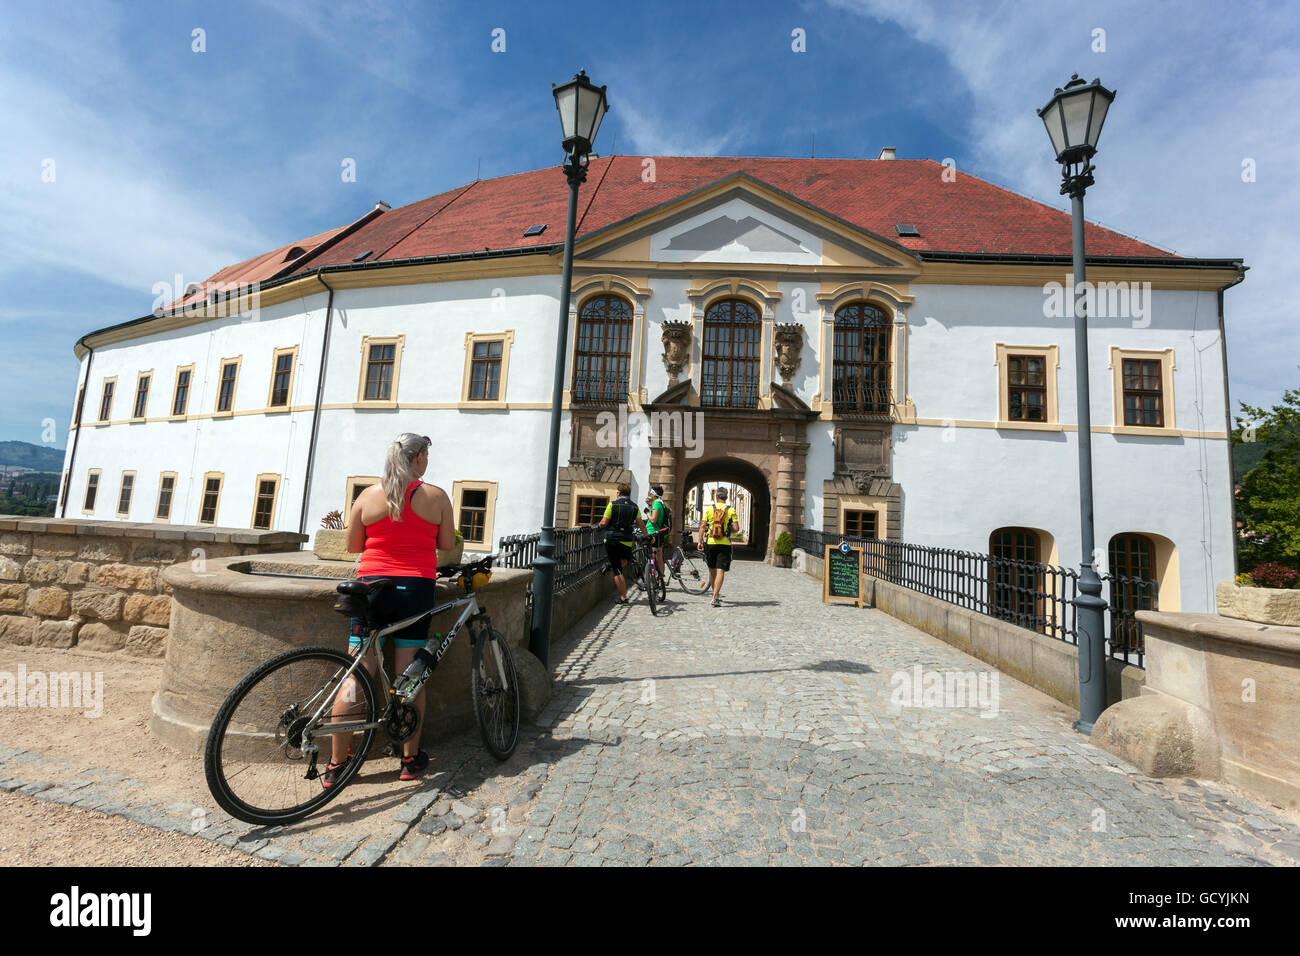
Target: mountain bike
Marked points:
646	574
687	567
263	754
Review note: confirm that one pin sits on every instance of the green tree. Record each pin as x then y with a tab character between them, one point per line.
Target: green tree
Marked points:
1268	496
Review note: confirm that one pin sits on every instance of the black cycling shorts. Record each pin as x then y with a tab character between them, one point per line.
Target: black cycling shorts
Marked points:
404	598
718	556
618	554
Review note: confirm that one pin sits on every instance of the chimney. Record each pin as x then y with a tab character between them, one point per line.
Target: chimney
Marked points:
382	206
886	153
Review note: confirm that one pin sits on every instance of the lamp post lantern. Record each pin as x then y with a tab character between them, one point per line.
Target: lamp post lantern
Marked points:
1074	117
582	106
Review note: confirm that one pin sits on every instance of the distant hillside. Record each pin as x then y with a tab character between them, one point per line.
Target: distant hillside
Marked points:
21	454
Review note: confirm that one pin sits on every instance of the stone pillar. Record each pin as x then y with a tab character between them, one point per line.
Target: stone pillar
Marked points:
788	507
663	471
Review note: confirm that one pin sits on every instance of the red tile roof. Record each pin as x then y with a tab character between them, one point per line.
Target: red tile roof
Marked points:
965	216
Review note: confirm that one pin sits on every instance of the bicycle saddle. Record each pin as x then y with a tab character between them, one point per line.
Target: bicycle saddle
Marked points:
362	588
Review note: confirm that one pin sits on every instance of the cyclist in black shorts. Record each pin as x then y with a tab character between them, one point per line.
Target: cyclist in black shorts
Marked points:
620	519
719	521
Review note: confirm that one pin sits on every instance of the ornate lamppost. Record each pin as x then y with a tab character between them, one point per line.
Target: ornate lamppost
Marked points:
1073	118
582	106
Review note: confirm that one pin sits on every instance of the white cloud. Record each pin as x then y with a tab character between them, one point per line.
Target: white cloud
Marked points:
658	129
111	210
1198	92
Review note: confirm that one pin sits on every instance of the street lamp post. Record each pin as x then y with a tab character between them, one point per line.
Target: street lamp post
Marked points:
1073	118
581	106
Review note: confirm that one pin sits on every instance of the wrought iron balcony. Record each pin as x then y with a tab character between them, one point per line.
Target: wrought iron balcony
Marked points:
599	388
859	399
723	394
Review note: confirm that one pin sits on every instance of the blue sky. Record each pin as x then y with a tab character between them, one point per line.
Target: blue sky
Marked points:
168	161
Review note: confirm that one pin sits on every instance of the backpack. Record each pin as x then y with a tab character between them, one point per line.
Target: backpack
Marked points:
718	524
623	516
667	516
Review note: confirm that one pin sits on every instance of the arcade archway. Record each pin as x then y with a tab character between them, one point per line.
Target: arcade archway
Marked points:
733	471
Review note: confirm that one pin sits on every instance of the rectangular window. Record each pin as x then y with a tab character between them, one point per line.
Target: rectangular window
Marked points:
166	487
226	389
1143	393
264	505
81	397
1026	388
485	374
141	395
211	498
181	397
473	514
356	485
860	524
590	509
124	496
381	364
92	490
106	402
282	377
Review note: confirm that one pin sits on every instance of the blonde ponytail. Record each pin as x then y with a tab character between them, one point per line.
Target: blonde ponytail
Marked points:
399	470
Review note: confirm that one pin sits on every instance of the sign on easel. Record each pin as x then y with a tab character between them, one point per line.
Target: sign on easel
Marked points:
842	575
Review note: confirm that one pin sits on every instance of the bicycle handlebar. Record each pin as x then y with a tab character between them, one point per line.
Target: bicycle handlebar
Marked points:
470	568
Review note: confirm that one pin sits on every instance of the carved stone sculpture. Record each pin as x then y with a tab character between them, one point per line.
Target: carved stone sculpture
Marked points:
789	345
677	348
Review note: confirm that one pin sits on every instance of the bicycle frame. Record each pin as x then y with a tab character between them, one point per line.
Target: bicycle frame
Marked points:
374	641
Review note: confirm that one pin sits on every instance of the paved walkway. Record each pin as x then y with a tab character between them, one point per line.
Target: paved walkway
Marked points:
765	732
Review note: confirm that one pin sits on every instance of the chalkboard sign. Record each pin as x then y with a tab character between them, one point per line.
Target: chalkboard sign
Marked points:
842	576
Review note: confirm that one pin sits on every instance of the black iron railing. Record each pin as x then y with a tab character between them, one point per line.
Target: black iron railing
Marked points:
851	396
608	387
579	553
1039	597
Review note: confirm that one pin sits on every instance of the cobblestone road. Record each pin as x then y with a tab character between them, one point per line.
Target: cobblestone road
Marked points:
764	732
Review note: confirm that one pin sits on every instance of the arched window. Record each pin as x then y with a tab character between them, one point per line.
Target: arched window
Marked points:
1132	579
604	350
860	373
1015	583
729	369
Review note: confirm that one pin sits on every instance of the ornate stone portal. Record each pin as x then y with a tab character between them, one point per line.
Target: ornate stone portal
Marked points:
762	449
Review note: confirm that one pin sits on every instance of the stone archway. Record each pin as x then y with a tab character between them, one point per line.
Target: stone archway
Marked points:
745	474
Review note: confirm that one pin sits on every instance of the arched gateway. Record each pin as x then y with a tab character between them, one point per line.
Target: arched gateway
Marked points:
739	472
762	448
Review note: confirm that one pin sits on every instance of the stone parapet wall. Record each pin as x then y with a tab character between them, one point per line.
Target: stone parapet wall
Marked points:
98	584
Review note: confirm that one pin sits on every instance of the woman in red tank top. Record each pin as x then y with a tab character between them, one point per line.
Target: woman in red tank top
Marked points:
398	525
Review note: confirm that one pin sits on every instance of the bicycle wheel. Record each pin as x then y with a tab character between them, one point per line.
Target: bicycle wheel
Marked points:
254	759
690	573
648	585
494	688
637	567
662	581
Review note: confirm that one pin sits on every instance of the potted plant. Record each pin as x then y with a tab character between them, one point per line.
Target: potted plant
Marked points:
782	550
330	543
1270	594
454	554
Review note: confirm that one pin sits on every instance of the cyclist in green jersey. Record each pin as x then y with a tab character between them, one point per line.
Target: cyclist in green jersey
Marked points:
656	523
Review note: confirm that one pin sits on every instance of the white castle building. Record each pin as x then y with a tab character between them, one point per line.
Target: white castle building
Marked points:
869	347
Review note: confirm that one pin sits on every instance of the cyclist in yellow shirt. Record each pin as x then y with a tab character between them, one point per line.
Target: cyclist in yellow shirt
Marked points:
619	520
718	523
